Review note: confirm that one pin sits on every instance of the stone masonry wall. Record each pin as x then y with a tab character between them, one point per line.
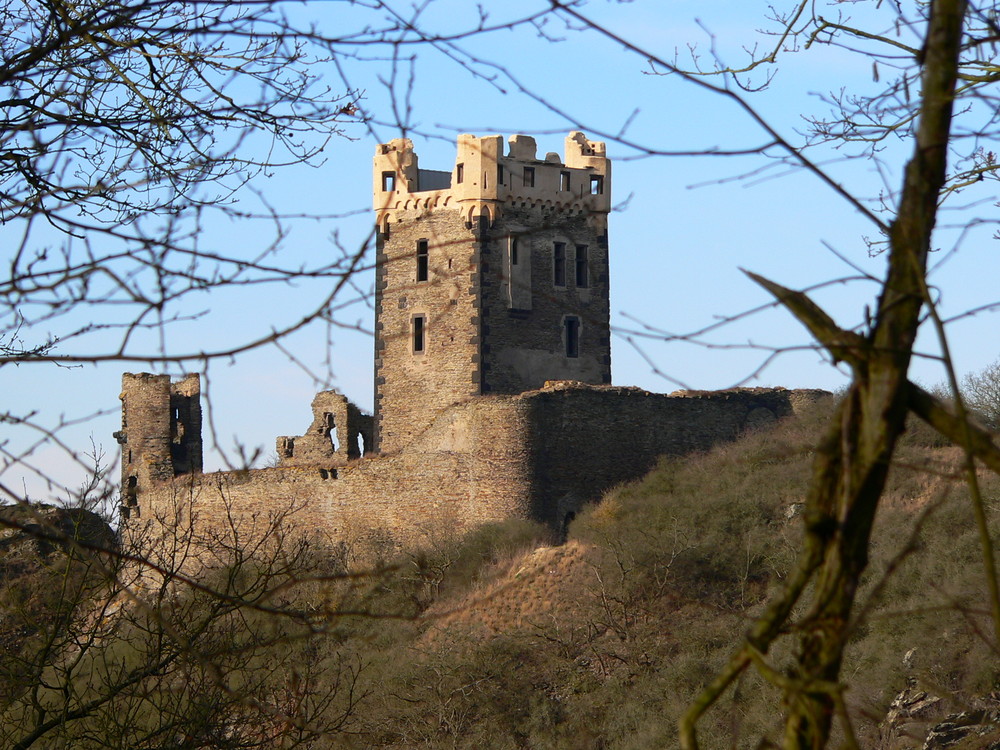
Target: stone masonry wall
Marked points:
538	455
475	472
523	348
413	387
586	440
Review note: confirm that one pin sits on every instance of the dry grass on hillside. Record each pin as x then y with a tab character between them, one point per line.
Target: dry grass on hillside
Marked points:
603	641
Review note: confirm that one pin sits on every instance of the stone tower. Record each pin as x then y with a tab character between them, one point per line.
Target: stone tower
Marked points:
160	434
491	278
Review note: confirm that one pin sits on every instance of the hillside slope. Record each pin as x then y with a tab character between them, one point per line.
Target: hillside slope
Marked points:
601	642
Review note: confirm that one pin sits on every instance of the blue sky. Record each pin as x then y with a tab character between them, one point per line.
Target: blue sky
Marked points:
685	226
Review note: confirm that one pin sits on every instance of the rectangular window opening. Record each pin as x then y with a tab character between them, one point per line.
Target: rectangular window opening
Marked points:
597	184
564	182
423	264
559	264
582	270
529	176
513	251
419	334
388	181
459	173
499	175
572	325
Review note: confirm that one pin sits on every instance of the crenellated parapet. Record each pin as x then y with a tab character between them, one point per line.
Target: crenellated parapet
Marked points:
484	180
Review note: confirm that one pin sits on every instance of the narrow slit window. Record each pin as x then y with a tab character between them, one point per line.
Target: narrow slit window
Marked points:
597	184
459	173
513	251
423	262
419	334
499	175
564	182
572	335
582	269
388	181
559	264
529	176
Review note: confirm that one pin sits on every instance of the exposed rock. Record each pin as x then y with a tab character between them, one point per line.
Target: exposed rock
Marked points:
969	730
916	720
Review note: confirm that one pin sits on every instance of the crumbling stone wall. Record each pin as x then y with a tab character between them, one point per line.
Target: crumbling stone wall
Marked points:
537	455
334	437
474	472
587	439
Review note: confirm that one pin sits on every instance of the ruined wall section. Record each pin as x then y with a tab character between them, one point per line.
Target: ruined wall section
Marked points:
472	471
335	436
586	440
185	425
538	455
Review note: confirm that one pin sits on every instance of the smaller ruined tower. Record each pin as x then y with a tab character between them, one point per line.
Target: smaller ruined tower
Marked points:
160	434
491	277
333	439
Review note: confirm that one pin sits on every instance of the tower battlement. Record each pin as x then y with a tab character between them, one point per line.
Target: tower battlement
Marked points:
484	179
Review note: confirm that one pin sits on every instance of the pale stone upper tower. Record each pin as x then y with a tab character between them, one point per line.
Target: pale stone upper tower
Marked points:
491	278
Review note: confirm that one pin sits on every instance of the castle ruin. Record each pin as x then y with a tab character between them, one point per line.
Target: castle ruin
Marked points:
492	369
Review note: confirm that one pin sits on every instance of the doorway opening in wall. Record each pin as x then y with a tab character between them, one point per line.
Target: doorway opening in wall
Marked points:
564	531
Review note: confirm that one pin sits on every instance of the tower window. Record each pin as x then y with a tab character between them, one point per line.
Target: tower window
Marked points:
419	334
529	176
423	265
564	181
559	264
597	184
499	175
459	173
571	325
388	181
582	270
513	251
